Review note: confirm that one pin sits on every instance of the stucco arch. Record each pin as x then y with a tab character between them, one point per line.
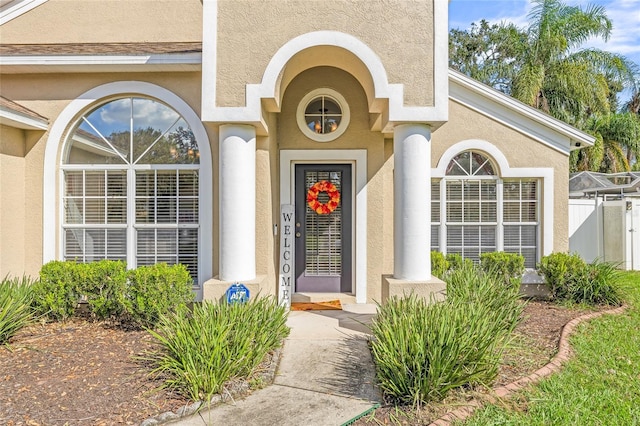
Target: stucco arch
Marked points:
325	48
55	143
309	50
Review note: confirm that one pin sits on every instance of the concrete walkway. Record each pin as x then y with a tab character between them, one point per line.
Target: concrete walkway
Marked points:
325	377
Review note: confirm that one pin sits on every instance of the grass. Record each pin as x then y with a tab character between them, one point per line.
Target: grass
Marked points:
600	385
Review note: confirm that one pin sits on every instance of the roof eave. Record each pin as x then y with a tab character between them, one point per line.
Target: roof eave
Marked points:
179	62
18	120
577	138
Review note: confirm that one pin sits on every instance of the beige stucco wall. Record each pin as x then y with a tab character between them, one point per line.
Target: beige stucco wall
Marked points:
520	151
357	136
112	21
12	196
250	32
48	95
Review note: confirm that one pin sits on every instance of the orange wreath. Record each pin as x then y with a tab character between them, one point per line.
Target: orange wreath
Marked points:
332	192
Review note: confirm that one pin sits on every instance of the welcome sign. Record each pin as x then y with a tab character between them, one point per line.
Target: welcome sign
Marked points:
285	275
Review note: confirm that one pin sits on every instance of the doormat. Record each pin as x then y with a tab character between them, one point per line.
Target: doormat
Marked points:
331	305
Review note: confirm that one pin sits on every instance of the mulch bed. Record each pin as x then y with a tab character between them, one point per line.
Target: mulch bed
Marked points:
78	373
83	373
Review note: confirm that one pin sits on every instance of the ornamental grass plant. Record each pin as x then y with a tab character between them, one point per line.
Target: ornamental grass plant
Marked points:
200	350
424	349
15	306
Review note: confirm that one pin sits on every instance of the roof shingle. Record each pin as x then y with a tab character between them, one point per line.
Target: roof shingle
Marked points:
99	49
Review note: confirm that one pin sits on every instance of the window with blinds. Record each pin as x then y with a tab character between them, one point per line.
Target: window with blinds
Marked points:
471	217
131	187
520	218
435	215
95	222
323	250
483	213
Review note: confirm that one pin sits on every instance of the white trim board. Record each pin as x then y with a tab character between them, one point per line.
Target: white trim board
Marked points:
22	121
16	8
516	115
357	157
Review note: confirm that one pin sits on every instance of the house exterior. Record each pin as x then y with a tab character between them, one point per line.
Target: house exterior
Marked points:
292	146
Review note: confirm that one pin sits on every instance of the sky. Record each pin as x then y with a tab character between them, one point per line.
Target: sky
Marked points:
625	15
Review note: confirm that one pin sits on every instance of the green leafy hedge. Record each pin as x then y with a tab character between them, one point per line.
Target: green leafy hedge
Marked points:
155	290
570	278
507	266
112	292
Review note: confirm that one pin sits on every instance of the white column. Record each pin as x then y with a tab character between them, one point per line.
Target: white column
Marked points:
412	202
237	190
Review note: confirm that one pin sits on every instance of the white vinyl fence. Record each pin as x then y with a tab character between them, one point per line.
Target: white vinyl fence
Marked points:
606	230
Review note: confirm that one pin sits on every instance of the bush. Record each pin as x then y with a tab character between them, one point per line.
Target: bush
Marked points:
202	350
157	290
15	306
456	261
58	291
138	296
422	350
570	278
439	264
507	266
104	284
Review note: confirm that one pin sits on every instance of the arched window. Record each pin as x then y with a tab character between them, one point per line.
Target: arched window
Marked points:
131	185
475	211
471	205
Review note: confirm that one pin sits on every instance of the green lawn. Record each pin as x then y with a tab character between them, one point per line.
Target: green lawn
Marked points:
599	386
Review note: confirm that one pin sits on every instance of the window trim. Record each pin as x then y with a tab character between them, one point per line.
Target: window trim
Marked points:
53	185
338	99
505	171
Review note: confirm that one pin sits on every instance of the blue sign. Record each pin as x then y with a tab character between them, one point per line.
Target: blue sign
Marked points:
237	293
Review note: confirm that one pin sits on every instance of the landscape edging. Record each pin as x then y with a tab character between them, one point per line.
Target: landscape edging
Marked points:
564	354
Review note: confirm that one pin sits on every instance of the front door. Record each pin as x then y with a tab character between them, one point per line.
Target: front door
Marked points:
323	228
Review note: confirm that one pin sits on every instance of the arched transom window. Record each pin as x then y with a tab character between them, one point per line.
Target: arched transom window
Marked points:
131	186
474	211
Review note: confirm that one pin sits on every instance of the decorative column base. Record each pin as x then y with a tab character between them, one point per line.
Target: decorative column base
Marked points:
433	289
215	289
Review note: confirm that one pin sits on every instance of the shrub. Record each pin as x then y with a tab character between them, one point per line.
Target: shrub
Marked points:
570	278
202	350
439	264
104	283
422	350
157	290
15	306
56	294
507	266
456	261
137	296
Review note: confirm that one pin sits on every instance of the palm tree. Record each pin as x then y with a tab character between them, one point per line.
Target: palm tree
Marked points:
555	76
617	144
